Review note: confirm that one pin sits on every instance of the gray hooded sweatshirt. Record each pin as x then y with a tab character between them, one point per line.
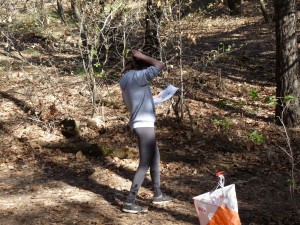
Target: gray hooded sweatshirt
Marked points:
137	96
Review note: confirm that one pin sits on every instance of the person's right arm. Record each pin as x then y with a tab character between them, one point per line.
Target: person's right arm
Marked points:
152	61
143	77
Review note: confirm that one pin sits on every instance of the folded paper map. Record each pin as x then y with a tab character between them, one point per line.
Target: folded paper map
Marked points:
165	94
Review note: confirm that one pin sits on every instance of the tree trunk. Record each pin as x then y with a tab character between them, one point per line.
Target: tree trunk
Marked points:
264	11
77	13
60	10
73	5
287	64
42	14
232	6
242	7
151	44
236	7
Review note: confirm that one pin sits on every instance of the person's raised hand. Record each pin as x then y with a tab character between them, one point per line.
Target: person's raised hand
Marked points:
148	59
137	54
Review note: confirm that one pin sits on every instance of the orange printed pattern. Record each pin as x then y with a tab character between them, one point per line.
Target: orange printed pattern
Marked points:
225	216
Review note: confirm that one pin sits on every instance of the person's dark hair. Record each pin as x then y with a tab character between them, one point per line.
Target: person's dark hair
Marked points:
139	64
129	65
134	64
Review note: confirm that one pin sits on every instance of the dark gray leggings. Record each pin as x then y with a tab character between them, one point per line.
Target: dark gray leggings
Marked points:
149	158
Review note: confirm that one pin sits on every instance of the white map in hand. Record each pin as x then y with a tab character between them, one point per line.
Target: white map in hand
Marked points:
165	94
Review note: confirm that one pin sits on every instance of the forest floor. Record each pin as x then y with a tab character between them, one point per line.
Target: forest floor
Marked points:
46	178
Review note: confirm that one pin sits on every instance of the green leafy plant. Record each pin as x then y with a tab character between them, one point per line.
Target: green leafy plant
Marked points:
253	94
288	98
221	47
3	63
107	151
79	71
255	137
224	123
222	102
32	51
291	181
271	100
97	64
101	74
94	52
228	49
127	51
240	103
54	15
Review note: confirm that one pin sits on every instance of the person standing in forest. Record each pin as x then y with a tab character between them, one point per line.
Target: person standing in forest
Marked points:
137	96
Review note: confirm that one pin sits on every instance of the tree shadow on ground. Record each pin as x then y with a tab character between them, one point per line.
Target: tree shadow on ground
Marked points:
211	7
243	52
79	179
65	213
26	108
82	180
230	109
